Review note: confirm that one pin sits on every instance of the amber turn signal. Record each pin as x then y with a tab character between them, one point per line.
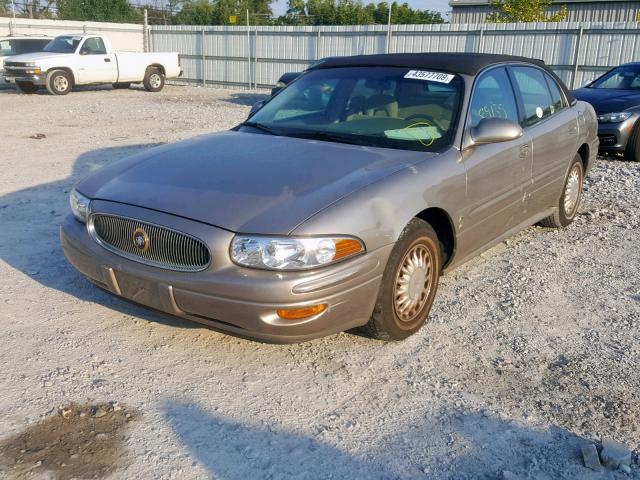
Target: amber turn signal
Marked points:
300	313
347	247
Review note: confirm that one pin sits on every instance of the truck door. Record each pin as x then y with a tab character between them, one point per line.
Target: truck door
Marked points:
96	65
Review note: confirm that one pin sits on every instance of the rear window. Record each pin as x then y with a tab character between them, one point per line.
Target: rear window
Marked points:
6	48
29	45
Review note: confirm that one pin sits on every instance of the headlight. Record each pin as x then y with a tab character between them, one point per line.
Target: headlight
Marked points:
290	253
79	205
30	64
616	117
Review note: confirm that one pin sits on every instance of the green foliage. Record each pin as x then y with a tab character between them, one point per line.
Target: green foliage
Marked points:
204	12
514	11
97	10
353	12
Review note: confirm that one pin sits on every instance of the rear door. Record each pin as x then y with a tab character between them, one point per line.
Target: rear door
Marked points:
553	127
96	66
498	174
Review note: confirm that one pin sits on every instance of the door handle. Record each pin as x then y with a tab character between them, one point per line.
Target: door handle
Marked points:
107	59
524	150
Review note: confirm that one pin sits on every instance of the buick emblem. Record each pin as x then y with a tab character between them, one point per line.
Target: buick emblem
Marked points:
141	239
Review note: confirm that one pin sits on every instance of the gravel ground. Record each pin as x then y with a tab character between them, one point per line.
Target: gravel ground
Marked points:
532	350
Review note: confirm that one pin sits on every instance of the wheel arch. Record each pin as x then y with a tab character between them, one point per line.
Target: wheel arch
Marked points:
584	152
441	222
159	66
65	69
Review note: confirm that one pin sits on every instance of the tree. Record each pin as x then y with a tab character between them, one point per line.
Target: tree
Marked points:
97	10
514	11
204	12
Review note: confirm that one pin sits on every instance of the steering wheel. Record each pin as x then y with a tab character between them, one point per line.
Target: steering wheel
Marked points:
422	116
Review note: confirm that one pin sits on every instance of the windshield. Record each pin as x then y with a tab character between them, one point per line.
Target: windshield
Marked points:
374	106
626	77
65	44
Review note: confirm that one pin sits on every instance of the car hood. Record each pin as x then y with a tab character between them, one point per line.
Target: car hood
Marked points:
606	100
36	57
245	182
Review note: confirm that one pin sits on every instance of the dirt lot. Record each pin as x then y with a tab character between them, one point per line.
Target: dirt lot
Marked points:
533	348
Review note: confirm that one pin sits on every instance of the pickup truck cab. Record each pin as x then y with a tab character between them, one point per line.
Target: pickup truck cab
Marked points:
70	60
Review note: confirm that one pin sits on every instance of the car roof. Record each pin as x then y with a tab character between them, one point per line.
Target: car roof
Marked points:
465	63
26	37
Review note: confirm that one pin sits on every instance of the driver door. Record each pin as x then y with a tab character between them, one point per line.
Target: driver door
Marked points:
96	66
498	174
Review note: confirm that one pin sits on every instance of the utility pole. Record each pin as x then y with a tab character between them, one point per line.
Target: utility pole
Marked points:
389	27
248	51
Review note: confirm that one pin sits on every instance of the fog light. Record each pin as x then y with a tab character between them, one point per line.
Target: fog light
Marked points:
299	313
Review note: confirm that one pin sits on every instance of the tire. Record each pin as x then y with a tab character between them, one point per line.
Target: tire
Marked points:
153	80
398	315
632	152
27	87
122	86
59	82
569	201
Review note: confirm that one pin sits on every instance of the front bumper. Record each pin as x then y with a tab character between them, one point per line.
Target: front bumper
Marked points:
39	80
226	297
614	136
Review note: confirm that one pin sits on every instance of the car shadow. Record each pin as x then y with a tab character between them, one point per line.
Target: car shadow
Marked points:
29	236
245	99
434	445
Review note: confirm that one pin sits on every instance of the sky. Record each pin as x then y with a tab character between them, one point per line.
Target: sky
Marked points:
442	6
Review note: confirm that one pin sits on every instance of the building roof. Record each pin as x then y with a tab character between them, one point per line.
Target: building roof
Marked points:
465	63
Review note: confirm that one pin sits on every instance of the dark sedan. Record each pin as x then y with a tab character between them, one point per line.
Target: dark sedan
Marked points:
615	96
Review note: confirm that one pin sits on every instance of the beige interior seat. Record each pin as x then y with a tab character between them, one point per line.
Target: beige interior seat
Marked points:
381	106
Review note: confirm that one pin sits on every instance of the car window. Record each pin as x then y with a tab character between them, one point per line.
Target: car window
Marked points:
625	77
6	48
63	44
535	94
93	46
392	107
29	45
493	98
556	95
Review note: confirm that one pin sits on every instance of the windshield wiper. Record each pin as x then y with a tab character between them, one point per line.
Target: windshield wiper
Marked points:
261	127
331	137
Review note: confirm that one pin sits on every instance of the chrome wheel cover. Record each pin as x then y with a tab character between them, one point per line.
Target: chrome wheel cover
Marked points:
413	283
60	83
155	80
572	191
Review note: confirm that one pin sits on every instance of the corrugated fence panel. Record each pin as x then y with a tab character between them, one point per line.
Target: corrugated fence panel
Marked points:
123	36
230	59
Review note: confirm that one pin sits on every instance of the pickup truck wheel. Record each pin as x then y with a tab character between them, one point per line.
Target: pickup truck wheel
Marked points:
409	284
153	80
632	151
27	87
59	82
122	85
570	197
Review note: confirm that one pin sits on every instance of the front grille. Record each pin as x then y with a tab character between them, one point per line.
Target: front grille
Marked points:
15	64
151	244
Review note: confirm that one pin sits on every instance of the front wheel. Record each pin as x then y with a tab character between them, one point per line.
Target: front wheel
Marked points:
570	197
632	152
26	87
153	80
59	82
409	284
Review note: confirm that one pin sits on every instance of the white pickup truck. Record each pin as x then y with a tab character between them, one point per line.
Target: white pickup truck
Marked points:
70	60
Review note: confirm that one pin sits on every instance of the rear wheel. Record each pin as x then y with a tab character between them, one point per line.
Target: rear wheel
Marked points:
122	85
632	151
409	284
570	197
153	80
59	82
27	87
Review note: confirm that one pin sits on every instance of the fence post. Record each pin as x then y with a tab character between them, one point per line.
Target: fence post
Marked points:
204	59
577	58
318	45
389	28
481	40
11	32
145	32
255	58
248	52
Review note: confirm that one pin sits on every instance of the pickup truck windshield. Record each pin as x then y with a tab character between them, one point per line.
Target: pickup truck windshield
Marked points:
626	77
388	107
65	44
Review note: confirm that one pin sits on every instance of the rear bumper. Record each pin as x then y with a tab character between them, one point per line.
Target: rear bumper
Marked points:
229	298
614	136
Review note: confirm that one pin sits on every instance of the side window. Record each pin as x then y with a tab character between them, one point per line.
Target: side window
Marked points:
93	46
493	98
556	95
6	48
535	94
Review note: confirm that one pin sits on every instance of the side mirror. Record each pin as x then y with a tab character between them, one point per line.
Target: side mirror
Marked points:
84	51
256	106
495	130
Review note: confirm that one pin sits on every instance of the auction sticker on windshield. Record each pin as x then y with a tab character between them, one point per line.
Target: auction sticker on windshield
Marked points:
432	76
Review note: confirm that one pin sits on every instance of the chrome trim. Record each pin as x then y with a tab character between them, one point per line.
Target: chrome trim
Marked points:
185	261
